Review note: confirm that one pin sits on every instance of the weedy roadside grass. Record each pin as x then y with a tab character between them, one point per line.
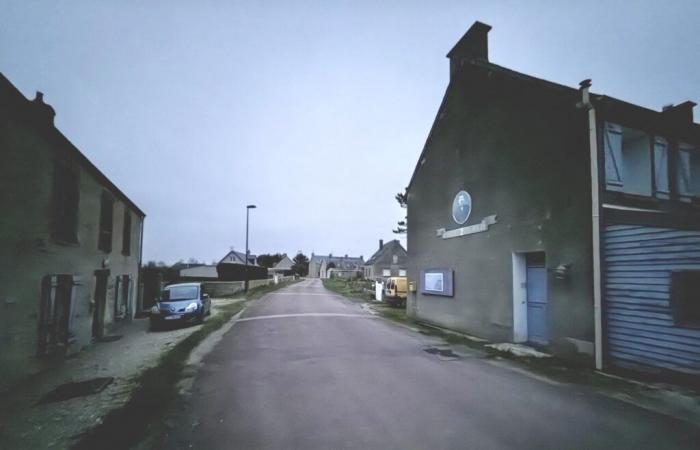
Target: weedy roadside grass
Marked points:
156	387
353	289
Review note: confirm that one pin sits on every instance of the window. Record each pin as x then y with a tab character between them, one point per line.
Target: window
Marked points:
661	185
402	272
688	172
627	160
126	234
121	297
55	318
386	272
106	222
685	297
66	195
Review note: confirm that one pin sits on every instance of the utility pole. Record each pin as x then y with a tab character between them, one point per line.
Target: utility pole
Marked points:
247	220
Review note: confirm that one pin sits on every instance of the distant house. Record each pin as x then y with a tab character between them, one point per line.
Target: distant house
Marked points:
232	267
70	242
388	261
323	266
283	267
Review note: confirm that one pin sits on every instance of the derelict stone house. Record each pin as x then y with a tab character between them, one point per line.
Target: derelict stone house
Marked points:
545	214
388	261
70	242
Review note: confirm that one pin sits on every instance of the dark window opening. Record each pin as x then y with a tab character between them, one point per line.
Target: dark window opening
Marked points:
66	195
106	222
685	298
126	235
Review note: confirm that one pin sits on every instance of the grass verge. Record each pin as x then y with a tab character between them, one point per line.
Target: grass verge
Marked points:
352	289
156	387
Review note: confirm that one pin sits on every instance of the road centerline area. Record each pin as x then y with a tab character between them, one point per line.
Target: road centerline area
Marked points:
368	384
284	316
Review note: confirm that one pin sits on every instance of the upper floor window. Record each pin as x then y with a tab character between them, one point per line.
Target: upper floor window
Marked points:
126	234
106	222
64	203
688	172
627	160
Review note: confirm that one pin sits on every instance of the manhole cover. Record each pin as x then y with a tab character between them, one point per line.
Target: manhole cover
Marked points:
76	389
443	352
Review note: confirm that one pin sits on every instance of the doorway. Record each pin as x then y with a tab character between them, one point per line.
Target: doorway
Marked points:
98	313
536	279
530	315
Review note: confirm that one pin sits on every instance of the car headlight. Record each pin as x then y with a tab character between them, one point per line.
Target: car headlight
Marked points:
155	310
191	307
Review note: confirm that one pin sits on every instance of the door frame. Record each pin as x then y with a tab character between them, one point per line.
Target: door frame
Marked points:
519	296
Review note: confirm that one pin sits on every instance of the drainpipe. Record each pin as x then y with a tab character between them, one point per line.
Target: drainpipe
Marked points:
595	220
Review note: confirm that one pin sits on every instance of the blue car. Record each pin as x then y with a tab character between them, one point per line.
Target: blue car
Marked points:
181	303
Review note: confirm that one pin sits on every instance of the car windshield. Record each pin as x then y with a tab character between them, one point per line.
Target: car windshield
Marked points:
180	293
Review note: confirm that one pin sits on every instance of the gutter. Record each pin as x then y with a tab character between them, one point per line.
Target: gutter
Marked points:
595	220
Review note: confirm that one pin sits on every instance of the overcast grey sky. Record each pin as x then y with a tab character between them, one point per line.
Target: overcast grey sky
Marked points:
316	111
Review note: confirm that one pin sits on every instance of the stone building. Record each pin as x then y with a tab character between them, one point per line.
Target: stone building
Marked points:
70	242
388	261
550	215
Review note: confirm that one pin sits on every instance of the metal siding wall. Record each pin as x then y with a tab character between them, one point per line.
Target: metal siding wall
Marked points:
640	330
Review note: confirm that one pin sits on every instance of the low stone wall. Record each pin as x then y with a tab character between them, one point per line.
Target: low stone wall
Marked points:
218	289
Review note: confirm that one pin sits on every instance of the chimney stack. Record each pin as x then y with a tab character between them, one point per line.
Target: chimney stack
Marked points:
43	108
681	114
381	243
473	45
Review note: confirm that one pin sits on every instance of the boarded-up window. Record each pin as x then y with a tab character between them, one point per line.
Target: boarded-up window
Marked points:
106	222
688	172
126	234
64	203
685	297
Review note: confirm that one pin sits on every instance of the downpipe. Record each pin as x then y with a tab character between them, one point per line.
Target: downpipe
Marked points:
595	220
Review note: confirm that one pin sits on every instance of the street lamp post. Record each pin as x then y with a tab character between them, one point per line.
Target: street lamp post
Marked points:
247	214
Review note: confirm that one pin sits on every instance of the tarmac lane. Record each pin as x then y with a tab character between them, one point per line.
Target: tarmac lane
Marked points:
304	368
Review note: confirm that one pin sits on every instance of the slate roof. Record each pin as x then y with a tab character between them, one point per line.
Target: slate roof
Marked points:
284	264
341	262
392	247
234	257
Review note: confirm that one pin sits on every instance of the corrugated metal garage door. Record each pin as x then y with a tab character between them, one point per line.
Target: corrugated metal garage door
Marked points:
640	330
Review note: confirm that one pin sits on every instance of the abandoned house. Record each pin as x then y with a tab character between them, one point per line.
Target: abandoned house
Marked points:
388	261
553	216
70	242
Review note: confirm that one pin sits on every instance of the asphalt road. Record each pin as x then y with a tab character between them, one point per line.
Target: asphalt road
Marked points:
307	369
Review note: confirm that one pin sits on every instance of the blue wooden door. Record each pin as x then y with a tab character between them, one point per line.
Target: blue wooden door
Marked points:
537	299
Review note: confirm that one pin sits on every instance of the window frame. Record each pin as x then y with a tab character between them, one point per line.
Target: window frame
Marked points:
65	203
105	232
126	232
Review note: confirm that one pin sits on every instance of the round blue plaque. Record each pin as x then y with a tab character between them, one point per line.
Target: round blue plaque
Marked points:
461	207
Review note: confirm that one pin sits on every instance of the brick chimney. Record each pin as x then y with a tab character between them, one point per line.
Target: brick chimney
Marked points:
473	45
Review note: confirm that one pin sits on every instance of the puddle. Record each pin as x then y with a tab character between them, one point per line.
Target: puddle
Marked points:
76	389
443	352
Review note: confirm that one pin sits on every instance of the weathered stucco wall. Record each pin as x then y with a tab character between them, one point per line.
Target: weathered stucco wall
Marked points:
29	254
520	150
